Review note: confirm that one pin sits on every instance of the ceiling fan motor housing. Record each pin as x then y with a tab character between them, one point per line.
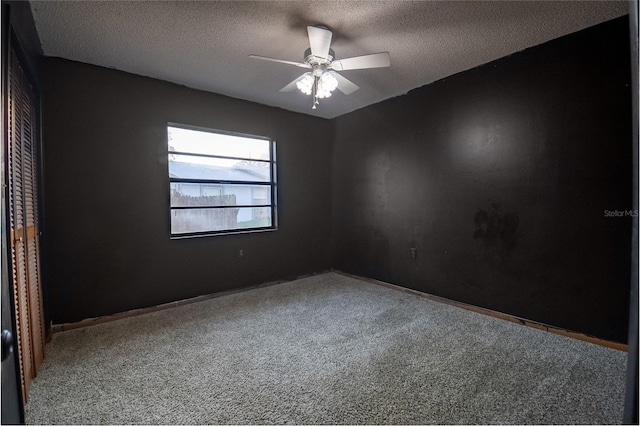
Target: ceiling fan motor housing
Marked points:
311	59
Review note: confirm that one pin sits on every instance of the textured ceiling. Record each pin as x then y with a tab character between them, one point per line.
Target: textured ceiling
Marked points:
205	44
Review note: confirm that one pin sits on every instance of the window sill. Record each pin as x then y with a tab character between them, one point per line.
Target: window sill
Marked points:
216	234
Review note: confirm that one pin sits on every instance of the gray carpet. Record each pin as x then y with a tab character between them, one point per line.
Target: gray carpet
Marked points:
324	349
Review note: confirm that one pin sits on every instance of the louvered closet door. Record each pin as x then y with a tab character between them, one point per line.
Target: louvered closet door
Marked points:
29	164
23	160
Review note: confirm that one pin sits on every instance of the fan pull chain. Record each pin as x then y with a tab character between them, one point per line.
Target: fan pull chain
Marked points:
315	92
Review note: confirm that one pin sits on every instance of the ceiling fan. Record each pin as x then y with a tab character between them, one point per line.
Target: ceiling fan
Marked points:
320	58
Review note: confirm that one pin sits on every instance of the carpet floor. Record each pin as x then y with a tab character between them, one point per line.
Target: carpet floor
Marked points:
326	349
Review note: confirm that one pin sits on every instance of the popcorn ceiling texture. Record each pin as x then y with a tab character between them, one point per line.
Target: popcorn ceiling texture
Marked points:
205	45
326	349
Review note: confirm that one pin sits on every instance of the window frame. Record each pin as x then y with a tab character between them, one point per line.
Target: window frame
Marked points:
271	184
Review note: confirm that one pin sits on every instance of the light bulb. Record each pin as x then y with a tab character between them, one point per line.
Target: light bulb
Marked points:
305	84
329	82
326	84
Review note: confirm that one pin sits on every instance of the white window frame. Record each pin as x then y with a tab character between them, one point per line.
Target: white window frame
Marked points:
271	184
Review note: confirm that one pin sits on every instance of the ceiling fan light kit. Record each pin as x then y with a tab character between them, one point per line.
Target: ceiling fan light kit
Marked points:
323	85
320	58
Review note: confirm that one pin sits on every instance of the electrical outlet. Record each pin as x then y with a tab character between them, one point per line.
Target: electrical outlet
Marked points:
414	253
240	253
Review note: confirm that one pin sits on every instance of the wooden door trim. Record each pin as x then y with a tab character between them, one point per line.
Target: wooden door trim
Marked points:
23	177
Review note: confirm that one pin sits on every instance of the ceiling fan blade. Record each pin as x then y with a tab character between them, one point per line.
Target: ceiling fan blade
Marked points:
291	86
375	60
345	85
297	64
319	41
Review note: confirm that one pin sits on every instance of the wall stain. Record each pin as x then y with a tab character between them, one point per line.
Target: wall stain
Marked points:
498	231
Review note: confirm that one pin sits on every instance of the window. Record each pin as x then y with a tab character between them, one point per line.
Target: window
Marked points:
220	182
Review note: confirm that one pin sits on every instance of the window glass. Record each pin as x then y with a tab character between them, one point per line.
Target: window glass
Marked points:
220	182
199	194
186	221
218	144
203	168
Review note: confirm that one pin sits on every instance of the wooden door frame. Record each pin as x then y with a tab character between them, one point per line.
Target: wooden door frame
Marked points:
19	35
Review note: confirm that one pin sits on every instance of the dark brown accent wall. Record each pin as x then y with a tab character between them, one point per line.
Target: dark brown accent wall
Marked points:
106	184
507	179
